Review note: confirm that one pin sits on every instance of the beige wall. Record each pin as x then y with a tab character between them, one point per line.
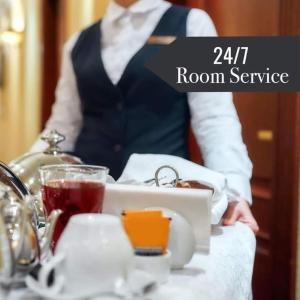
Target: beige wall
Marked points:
20	97
78	14
20	94
32	72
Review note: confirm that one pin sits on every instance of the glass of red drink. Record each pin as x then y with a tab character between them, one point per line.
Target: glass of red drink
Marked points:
74	189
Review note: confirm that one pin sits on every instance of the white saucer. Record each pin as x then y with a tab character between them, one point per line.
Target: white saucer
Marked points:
136	282
17	280
34	286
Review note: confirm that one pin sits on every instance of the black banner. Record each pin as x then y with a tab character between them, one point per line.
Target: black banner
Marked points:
230	64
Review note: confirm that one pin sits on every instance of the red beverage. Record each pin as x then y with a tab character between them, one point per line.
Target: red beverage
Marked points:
72	197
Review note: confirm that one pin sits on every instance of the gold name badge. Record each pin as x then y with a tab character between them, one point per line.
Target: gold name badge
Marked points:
161	40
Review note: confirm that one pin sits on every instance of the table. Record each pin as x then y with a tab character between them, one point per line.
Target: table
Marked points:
224	274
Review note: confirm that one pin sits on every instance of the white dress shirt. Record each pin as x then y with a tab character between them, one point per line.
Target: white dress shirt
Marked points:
213	116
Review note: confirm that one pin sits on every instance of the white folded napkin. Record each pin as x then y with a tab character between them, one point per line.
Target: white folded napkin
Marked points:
142	167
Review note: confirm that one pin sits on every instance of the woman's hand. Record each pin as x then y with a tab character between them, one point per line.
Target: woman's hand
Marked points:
240	211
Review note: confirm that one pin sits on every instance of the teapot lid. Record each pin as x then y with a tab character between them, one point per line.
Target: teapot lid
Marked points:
27	166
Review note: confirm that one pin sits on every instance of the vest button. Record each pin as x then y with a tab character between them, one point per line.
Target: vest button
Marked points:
117	148
119	106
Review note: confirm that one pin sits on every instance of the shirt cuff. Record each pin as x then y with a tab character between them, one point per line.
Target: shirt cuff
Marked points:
239	187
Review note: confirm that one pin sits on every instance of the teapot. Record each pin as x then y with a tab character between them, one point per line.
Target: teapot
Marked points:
23	240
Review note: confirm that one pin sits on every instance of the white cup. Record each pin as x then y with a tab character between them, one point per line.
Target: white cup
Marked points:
92	255
182	242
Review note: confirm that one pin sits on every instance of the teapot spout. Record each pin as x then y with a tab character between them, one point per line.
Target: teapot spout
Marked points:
49	231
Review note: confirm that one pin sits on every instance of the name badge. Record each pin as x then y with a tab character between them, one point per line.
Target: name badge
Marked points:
161	40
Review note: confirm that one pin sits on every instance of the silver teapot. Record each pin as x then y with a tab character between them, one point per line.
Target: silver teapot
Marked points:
23	240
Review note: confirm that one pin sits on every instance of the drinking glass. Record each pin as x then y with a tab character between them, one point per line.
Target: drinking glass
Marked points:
74	189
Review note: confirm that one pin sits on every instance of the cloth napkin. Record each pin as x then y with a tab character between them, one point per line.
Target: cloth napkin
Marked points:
142	167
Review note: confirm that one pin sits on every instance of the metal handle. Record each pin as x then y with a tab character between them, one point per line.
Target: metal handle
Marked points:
173	183
13	180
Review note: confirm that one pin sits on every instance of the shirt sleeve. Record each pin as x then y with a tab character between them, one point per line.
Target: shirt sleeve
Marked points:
66	116
216	125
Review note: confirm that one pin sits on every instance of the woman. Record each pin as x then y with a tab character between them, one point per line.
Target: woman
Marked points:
109	105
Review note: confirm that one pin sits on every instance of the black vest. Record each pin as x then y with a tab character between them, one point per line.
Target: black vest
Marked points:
140	114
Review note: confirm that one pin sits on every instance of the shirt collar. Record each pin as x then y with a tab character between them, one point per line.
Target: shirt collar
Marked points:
115	11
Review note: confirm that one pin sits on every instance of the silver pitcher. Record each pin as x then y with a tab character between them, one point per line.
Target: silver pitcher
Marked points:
23	241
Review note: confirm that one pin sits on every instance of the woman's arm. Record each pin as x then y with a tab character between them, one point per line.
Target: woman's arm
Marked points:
66	116
216	125
218	132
